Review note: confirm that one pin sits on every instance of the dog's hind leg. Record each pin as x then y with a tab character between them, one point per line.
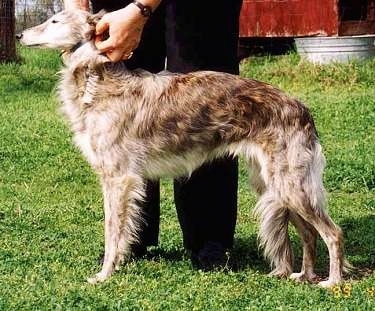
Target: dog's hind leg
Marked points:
307	199
332	237
121	216
308	237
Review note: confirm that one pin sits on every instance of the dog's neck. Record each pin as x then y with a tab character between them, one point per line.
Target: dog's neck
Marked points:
83	53
85	67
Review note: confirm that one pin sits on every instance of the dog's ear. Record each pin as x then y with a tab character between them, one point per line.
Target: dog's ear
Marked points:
93	19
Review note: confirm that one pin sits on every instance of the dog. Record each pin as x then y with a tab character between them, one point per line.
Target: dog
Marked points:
134	125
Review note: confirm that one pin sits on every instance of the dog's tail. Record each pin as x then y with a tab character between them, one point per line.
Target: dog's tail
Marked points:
273	233
313	186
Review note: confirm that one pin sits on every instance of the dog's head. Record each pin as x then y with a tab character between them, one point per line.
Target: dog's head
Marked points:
62	31
66	31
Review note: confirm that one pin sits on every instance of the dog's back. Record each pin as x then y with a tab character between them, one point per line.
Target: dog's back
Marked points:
175	115
210	109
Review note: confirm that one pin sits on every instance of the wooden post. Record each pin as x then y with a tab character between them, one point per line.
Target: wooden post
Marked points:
7	35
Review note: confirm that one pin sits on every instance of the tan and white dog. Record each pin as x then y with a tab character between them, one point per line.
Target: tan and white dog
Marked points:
133	125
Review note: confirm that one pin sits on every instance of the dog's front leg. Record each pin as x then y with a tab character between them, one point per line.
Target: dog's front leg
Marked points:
120	213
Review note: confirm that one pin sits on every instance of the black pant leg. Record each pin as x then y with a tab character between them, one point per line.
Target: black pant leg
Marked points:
207	205
150	55
203	35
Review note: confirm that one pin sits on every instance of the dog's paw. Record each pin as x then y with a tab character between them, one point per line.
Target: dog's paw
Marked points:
97	278
303	277
280	273
328	283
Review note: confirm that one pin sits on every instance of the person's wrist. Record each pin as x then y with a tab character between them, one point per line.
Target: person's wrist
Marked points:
145	10
130	13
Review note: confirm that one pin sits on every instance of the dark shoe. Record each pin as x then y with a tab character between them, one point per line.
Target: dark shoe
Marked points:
138	251
212	256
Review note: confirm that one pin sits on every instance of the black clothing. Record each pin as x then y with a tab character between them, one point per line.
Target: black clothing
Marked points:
193	35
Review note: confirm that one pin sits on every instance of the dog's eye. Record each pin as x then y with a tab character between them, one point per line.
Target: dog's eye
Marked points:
54	21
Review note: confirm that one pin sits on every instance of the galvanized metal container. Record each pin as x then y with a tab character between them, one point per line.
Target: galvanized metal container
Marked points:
324	50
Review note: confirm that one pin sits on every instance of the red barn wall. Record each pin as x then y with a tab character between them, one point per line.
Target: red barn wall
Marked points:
289	18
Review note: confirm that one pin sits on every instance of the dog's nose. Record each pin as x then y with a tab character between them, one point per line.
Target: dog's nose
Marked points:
19	36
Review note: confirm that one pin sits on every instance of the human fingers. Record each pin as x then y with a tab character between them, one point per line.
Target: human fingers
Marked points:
103	46
102	42
101	26
116	55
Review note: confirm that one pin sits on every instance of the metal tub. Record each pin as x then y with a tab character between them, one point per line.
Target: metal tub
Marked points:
324	50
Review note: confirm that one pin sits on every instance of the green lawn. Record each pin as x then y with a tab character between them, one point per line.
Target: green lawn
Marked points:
51	220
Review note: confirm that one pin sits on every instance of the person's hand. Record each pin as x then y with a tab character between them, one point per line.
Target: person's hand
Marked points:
76	4
124	28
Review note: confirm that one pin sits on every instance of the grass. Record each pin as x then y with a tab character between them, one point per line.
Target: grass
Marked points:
51	218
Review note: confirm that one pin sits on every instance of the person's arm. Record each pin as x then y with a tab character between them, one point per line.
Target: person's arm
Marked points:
124	28
76	4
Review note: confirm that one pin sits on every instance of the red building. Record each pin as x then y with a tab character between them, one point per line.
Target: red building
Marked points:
300	18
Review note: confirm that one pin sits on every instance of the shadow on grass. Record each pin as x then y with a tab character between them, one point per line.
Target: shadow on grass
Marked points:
171	255
359	235
359	242
244	255
247	255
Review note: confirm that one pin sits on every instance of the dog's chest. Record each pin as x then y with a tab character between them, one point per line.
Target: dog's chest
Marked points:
84	143
95	132
100	136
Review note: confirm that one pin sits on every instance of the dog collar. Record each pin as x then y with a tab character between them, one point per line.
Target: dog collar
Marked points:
72	50
76	47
